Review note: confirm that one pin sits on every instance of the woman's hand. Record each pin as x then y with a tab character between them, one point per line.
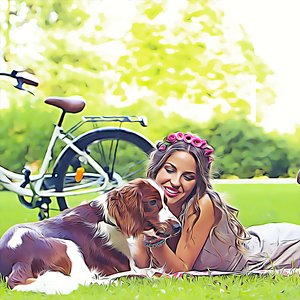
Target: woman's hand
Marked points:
153	242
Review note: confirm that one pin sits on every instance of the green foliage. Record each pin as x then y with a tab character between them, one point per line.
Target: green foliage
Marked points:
24	135
191	59
245	150
241	148
194	58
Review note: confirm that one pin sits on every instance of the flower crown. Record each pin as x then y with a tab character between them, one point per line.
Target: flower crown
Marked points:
189	139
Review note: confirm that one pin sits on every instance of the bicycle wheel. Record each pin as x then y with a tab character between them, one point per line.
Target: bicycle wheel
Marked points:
121	153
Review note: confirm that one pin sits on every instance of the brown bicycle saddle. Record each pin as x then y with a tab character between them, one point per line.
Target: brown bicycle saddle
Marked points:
73	104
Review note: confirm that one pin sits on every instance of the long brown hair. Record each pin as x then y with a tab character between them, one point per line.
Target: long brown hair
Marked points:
203	186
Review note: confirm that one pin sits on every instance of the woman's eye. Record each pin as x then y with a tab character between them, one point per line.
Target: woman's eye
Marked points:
152	202
189	178
169	170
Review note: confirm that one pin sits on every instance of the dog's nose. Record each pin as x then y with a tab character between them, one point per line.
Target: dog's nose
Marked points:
176	227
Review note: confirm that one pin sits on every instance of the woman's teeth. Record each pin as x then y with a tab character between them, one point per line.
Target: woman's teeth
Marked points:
172	192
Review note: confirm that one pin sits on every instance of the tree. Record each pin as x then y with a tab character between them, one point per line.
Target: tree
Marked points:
184	50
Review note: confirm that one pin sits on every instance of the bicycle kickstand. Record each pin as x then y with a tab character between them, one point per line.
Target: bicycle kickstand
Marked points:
42	204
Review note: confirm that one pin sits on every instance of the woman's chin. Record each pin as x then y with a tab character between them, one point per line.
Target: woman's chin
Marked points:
173	200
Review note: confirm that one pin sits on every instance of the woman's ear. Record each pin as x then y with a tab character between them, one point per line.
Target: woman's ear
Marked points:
126	207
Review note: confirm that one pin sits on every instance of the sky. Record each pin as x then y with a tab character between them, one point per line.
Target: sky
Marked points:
274	30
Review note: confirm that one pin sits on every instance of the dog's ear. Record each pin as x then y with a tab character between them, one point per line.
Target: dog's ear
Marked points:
126	207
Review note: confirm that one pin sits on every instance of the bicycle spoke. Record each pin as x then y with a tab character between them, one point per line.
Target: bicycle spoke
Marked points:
127	173
114	160
101	152
133	173
110	149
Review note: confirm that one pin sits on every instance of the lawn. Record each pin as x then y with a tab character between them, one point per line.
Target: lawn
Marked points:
258	204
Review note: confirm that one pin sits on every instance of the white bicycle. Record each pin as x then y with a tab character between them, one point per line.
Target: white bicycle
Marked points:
91	162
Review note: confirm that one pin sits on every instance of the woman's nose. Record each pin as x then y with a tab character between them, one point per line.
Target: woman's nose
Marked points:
175	180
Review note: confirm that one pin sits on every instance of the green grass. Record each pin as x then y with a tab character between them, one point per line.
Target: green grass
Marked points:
12	212
221	287
258	204
264	203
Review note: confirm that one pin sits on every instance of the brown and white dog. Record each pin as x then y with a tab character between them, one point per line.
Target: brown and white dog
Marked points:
57	254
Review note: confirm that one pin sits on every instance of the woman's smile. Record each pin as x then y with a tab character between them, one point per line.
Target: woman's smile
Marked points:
171	192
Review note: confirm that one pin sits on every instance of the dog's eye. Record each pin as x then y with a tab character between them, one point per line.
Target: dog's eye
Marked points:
152	202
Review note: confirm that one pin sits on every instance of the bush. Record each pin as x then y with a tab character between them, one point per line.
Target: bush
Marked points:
241	147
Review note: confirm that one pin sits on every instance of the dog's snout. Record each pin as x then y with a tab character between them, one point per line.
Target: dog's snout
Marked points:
176	227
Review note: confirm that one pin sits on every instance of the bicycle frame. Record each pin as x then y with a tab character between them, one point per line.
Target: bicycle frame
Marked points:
60	183
12	181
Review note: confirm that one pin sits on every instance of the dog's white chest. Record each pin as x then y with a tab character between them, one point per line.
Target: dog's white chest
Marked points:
115	238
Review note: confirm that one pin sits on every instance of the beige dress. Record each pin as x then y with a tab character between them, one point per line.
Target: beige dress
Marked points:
271	245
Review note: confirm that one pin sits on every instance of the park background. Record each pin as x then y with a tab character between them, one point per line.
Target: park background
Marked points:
186	65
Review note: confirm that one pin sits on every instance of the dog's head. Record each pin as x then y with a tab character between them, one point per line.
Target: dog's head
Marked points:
139	206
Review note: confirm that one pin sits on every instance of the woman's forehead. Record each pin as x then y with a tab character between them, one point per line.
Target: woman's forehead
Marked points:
182	160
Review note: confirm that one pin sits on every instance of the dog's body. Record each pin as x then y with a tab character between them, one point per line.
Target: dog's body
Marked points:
71	248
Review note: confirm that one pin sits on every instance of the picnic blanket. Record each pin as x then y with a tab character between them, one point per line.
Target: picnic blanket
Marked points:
285	272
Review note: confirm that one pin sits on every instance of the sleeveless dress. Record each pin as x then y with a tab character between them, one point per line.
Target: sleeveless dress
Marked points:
271	245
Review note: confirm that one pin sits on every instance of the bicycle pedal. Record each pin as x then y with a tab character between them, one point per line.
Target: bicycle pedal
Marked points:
79	174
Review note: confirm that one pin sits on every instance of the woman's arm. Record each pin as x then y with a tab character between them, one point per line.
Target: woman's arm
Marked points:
188	248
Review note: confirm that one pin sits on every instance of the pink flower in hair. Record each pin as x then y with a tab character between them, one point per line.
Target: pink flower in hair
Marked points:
162	148
197	142
208	152
203	144
171	138
187	137
179	136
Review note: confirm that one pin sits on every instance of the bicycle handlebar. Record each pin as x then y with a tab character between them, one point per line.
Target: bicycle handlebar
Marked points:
28	81
14	73
20	80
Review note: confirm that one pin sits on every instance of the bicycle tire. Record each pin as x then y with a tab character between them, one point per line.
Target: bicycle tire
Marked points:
69	158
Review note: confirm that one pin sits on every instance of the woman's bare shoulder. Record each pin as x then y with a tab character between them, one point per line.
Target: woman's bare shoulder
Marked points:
206	203
206	208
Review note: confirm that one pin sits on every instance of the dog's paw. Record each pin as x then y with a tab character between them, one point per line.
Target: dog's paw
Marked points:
24	288
50	283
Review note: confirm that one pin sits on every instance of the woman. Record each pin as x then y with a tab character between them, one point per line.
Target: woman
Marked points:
212	237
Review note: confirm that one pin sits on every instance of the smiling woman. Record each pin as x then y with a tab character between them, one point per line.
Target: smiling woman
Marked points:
212	237
178	178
